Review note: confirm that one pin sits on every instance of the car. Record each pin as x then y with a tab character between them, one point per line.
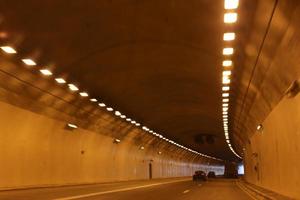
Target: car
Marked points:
211	174
199	175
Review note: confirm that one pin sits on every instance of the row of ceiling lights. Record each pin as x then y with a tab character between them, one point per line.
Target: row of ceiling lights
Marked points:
74	88
230	17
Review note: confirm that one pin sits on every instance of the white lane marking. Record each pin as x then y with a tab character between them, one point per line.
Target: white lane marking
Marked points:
117	190
185	191
244	190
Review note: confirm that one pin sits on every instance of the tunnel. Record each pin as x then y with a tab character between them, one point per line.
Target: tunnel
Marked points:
149	99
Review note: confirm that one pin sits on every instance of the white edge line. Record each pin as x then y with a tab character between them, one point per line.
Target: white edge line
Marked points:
245	191
117	190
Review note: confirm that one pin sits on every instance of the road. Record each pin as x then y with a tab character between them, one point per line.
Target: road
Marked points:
175	189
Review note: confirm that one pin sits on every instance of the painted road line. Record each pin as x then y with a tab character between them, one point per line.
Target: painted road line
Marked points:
185	191
118	190
245	191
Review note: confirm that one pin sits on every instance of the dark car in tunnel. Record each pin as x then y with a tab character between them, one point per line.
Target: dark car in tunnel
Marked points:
199	176
211	174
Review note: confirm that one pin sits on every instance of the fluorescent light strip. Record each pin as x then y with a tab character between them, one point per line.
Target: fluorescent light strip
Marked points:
231	4
28	61
60	80
8	49
230	17
46	72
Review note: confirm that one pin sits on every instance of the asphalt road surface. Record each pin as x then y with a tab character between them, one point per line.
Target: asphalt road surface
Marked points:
175	189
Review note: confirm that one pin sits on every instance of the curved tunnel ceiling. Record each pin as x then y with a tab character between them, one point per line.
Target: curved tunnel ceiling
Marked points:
158	62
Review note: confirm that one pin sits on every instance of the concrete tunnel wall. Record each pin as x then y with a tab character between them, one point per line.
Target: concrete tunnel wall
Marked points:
272	155
37	149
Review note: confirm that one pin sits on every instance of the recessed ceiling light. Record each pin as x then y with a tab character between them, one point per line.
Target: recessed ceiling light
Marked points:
230	17
225	95
226	73
225	88
123	116
231	4
28	61
225	113
228	36
128	119
60	80
46	72
8	49
228	51
225	104
137	124
225	100
142	148
109	109
117	113
84	94
226	80
73	87
93	100
227	63
133	122
102	104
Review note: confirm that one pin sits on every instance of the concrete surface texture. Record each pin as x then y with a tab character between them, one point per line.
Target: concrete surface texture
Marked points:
183	189
39	151
272	154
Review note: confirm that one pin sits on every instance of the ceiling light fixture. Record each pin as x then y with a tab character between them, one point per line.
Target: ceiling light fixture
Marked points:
102	104
117	113
228	51
109	109
230	17
93	100
8	49
73	87
28	61
225	88
46	72
227	73
60	80
231	4
227	63
228	36
84	94
225	95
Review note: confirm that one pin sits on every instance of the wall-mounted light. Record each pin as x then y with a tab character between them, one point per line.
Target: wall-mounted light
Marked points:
259	127
117	141
70	126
